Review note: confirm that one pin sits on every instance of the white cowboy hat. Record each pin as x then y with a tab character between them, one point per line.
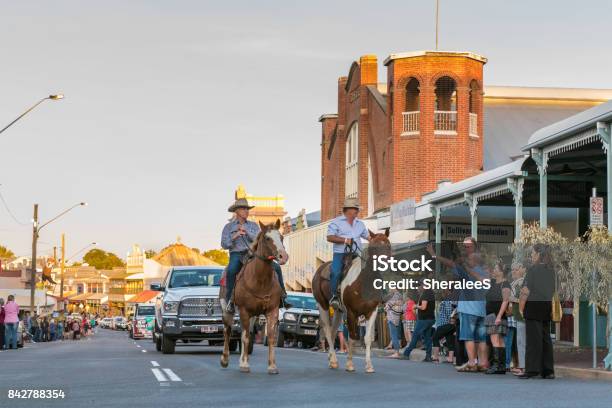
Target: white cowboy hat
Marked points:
240	203
351	203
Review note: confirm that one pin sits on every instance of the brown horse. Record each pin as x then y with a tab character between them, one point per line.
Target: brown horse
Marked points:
256	292
358	296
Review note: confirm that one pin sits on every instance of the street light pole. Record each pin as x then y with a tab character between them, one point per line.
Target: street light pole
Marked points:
55	97
35	232
63	271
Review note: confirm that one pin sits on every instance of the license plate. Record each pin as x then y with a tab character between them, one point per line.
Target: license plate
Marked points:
209	329
310	332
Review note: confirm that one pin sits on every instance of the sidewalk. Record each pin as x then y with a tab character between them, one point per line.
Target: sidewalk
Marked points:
570	362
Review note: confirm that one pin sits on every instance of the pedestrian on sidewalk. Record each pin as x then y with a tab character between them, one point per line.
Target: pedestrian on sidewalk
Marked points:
536	306
11	321
2	328
409	317
393	309
518	274
60	330
496	322
36	328
426	309
52	330
45	329
444	329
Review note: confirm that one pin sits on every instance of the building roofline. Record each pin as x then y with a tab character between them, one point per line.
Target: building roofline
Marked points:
423	53
545	93
328	116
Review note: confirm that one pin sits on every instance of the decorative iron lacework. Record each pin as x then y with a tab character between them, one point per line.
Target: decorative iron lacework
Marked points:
571	143
455	202
491	192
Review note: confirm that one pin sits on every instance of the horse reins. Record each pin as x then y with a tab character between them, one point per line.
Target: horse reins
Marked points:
269	258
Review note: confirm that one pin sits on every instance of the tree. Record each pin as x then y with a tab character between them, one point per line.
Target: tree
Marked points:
101	259
150	253
6	253
220	256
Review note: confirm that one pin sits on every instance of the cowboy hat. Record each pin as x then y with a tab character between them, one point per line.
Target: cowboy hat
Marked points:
351	203
240	203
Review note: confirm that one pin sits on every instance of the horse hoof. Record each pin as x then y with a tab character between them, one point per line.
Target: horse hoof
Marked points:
224	364
245	370
272	371
350	369
370	370
333	365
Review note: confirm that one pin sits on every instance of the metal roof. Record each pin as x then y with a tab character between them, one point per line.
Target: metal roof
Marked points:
571	125
476	183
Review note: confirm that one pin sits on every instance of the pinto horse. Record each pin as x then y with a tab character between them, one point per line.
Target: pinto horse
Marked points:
358	296
256	292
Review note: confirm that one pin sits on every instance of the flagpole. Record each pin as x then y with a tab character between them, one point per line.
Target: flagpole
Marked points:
437	14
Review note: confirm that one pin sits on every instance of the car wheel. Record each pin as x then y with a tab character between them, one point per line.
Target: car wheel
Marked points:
251	343
280	340
234	346
265	341
167	345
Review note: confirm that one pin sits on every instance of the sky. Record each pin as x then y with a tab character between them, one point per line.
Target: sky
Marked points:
171	104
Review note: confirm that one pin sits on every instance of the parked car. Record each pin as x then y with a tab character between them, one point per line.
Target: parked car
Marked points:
189	309
299	323
106	322
142	321
119	323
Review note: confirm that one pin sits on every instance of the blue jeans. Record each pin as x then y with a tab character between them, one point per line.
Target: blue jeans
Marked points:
235	265
336	272
395	332
508	339
10	335
422	329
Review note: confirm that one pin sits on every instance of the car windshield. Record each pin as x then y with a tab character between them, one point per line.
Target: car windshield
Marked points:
145	311
118	319
302	302
195	277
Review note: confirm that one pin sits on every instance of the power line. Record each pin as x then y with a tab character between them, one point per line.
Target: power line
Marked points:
8	210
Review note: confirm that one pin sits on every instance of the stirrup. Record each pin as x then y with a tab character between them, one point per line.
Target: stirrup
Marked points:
229	307
335	302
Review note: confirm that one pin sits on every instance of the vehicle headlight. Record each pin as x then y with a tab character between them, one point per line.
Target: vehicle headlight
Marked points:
317	322
304	320
171	307
289	316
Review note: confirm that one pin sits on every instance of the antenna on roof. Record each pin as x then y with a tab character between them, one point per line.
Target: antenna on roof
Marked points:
437	20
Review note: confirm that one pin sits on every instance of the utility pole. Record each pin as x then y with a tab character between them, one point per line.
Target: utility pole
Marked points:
63	270
33	267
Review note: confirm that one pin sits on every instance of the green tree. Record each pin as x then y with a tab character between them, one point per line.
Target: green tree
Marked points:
220	256
6	253
101	259
150	253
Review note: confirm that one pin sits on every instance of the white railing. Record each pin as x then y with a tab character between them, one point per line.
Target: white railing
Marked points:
351	180
473	124
411	123
445	122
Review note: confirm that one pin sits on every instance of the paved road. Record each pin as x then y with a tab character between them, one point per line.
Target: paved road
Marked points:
110	370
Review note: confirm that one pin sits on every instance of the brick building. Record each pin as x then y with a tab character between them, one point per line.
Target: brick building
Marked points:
432	120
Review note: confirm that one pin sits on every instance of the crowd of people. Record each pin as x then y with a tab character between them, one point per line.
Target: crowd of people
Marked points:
503	329
38	328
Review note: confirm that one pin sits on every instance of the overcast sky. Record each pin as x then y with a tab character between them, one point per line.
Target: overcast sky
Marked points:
170	104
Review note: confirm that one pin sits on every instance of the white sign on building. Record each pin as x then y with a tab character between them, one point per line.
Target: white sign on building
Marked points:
403	215
486	233
597	210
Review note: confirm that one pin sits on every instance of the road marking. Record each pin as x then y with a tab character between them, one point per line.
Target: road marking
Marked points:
155	363
159	375
171	375
144	351
138	345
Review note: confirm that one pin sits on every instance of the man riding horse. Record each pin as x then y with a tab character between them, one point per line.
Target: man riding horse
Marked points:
237	236
344	231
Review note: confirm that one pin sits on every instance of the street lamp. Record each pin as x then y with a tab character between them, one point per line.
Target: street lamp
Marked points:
55	97
35	232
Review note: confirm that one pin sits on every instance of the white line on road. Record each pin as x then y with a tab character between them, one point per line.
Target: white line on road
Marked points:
144	351
171	375
159	375
138	345
155	363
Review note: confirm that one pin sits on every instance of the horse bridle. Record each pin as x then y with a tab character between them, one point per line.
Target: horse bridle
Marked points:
268	258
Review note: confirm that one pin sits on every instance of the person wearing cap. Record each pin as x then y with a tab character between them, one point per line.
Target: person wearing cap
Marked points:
344	230
237	236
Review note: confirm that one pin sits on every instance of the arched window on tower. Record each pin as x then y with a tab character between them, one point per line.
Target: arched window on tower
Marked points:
445	115
411	114
474	94
351	179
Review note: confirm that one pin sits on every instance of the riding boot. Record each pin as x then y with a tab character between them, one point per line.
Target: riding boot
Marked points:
493	368
501	358
229	307
283	300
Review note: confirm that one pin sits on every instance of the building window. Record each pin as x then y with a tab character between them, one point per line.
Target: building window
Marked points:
474	92
352	161
445	115
411	114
